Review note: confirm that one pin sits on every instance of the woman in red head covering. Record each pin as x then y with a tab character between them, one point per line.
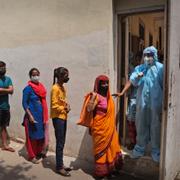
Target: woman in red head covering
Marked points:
98	113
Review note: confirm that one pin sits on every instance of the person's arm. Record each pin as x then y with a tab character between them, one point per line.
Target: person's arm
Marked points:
91	106
92	102
25	105
8	90
126	87
31	118
136	77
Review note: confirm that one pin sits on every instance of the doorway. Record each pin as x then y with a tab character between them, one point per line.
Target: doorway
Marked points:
135	31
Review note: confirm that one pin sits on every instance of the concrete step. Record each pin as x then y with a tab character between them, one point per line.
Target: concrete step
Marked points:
144	167
178	176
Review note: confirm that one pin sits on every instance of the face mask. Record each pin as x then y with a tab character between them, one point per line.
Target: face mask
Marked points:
65	80
148	60
103	89
35	79
2	72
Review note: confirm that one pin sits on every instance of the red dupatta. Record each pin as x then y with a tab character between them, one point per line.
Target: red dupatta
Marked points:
40	90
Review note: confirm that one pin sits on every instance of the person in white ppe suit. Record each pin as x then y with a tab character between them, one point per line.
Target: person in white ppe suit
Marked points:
148	77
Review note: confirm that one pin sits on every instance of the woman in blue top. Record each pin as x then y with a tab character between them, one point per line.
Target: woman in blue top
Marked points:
36	116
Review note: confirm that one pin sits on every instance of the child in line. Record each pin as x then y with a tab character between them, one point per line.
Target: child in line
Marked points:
59	112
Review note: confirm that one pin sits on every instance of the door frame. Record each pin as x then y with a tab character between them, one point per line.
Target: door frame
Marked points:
117	55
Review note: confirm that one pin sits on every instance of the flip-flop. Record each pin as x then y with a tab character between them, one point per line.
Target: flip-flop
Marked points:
8	149
35	161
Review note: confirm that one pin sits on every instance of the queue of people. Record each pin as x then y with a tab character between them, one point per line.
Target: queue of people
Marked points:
97	114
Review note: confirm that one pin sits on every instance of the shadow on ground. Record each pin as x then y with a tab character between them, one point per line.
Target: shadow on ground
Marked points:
87	165
22	153
48	162
15	172
84	161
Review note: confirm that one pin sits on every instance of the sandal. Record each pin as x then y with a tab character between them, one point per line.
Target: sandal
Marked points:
39	156
67	168
63	172
35	161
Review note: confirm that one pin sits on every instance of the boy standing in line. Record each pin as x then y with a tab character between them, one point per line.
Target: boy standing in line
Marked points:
6	88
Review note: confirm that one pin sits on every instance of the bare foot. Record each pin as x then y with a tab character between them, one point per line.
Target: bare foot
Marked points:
7	148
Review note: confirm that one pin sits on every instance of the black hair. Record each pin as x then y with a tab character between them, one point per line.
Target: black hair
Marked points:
58	73
33	69
2	64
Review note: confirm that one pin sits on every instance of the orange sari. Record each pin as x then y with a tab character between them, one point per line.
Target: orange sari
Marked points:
107	151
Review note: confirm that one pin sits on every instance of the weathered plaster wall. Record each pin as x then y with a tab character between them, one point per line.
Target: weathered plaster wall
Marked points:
172	157
46	34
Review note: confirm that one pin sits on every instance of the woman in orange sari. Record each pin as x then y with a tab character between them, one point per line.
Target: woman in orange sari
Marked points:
98	113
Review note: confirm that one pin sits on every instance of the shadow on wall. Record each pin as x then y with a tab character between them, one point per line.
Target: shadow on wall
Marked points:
14	172
85	158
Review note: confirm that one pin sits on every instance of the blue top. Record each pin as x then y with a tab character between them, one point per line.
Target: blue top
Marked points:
5	82
33	103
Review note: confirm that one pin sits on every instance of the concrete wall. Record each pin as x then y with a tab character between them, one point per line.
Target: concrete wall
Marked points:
172	149
46	34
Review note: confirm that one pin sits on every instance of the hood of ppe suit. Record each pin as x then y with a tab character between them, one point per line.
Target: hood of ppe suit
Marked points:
151	49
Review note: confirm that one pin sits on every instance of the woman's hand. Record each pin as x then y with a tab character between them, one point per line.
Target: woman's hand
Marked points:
31	120
90	106
67	108
141	74
118	94
92	102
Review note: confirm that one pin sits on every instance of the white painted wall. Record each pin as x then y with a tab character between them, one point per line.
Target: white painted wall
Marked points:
172	149
46	34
